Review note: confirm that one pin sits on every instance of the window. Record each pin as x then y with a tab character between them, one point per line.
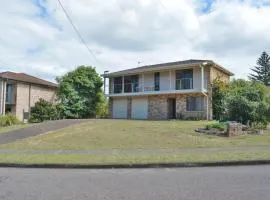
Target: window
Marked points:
117	84
157	81
195	103
9	94
184	79
131	83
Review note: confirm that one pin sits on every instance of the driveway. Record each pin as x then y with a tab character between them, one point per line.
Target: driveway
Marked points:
222	183
38	129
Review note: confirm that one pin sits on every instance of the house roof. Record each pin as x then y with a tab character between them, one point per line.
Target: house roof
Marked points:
26	78
168	65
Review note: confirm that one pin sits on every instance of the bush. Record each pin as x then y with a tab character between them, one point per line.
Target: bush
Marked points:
102	107
216	125
9	120
43	110
247	101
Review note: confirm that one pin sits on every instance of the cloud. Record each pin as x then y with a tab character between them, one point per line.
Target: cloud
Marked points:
37	38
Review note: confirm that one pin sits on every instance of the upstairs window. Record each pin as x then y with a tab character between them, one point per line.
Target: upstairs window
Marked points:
184	79
117	84
195	103
131	83
157	81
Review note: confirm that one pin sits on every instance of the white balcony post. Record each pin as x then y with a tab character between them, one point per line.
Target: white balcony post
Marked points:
202	78
142	82
170	80
123	84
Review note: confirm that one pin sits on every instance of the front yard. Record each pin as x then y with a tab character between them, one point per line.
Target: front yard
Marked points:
126	141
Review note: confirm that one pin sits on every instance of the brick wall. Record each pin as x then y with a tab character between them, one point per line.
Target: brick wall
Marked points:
158	106
215	73
36	92
22	101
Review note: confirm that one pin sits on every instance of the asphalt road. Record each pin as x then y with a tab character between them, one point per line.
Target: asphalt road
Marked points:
221	183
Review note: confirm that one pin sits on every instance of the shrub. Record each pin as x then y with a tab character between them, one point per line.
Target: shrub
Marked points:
9	120
216	125
43	110
102	107
248	102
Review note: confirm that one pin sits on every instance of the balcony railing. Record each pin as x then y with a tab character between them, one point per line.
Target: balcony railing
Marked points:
128	88
184	84
181	84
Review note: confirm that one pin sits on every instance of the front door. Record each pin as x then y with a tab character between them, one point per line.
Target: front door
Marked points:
171	108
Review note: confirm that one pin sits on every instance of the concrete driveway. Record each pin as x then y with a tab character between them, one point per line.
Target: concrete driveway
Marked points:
38	129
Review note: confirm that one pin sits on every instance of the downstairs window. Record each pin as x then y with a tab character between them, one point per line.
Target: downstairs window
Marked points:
195	103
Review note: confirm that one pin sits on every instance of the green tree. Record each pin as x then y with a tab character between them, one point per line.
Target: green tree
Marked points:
102	107
220	89
261	72
248	101
79	92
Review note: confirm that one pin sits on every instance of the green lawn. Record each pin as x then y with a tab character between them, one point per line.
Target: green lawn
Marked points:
133	135
133	159
128	134
5	130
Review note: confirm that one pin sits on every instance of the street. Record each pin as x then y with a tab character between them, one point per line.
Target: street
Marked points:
242	182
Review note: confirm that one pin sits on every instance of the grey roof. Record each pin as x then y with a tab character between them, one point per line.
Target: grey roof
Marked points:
169	64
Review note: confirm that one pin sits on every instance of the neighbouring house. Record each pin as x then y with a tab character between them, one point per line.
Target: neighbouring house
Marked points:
164	91
19	92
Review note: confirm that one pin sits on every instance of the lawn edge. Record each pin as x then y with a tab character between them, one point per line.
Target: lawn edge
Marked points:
137	166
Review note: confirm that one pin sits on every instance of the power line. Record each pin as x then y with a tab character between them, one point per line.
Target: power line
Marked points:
167	10
77	31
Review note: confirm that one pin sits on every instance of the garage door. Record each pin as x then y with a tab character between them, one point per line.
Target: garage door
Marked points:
120	108
139	108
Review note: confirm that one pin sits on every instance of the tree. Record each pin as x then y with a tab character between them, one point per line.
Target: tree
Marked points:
262	70
218	98
248	101
102	107
80	92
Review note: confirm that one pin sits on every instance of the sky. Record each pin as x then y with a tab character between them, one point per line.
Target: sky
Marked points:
36	37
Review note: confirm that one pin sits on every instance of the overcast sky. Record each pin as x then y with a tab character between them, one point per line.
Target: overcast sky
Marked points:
36	37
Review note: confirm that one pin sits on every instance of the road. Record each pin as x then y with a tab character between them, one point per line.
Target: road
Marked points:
219	183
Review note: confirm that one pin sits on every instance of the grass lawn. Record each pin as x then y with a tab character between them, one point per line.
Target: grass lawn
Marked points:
5	130
132	159
133	135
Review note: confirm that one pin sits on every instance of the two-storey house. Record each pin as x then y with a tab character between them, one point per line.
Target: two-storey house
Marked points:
165	91
19	92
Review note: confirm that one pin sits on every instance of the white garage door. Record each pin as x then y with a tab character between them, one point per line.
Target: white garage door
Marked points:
139	108
120	108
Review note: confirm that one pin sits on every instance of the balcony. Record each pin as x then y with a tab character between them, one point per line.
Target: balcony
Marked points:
165	82
183	85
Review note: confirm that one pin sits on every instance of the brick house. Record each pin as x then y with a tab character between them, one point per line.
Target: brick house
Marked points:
19	92
180	89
